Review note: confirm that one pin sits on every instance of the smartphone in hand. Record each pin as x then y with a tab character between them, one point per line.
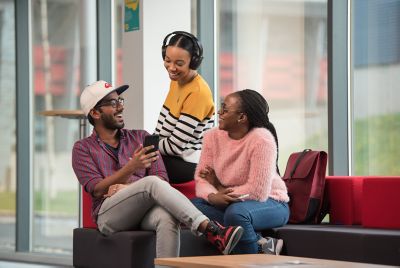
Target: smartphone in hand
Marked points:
151	140
243	197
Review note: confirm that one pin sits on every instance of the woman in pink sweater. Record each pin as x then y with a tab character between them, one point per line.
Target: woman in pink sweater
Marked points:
237	178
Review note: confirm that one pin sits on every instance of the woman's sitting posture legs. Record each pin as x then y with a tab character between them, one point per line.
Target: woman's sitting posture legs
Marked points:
253	216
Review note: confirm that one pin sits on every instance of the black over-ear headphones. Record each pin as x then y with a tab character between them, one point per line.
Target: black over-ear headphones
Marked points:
197	55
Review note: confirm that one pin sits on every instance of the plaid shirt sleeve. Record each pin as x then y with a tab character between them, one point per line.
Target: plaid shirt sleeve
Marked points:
84	166
158	168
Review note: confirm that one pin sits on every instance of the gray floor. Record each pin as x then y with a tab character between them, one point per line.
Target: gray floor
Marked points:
6	264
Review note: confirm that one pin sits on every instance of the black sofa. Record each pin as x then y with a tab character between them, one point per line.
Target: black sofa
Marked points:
340	242
136	249
131	249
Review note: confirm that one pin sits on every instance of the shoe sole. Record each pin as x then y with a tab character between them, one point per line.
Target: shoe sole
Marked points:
278	247
233	240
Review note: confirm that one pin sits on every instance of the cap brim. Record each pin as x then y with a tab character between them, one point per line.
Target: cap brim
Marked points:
121	89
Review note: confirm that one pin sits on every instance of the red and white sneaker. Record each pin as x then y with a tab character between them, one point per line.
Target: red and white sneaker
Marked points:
224	238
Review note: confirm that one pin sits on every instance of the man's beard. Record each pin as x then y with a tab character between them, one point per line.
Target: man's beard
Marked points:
109	122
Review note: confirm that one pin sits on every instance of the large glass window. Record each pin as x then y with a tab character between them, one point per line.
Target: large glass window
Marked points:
376	90
279	48
64	62
119	9
7	126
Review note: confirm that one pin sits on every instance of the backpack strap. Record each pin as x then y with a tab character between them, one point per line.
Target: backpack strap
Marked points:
298	161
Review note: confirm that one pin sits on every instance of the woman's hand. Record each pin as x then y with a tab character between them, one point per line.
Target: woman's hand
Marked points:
222	199
209	175
113	189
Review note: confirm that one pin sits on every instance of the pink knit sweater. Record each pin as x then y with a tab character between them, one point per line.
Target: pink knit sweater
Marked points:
248	165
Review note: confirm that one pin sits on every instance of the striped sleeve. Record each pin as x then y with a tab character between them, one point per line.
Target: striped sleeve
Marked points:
186	131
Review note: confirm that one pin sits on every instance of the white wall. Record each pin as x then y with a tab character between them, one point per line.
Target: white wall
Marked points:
143	67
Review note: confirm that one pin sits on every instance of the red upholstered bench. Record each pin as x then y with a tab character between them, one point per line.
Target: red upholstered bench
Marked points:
371	201
381	202
187	188
344	193
87	221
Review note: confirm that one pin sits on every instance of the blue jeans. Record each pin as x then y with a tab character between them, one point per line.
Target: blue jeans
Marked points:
253	216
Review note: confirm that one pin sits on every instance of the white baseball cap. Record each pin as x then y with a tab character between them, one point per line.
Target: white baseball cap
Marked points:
93	93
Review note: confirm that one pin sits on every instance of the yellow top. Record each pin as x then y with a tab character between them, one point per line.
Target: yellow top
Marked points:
187	113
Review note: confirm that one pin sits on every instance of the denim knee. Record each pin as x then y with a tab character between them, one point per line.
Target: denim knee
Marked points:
198	200
236	215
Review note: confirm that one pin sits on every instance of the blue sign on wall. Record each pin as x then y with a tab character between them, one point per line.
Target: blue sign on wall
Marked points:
131	15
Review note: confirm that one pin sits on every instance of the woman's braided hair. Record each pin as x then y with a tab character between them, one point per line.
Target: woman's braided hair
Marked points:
256	108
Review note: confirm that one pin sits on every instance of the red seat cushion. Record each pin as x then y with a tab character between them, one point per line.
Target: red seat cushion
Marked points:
344	193
87	221
381	202
187	188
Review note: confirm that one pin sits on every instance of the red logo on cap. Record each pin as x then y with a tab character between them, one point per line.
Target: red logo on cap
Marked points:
107	85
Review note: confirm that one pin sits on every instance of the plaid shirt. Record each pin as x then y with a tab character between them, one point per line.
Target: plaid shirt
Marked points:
92	161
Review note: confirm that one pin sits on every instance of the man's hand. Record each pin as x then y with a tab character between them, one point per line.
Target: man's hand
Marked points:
113	189
141	160
222	198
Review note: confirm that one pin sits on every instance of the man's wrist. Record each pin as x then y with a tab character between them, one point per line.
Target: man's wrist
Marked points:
129	168
124	174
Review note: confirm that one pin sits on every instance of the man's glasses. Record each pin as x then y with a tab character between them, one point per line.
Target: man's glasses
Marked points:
112	102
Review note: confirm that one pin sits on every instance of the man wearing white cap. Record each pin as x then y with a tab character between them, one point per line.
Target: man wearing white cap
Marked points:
130	188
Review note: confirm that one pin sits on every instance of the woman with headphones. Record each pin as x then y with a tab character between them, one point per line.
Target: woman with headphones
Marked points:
188	110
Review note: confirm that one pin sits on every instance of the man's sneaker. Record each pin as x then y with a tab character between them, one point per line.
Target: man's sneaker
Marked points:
224	238
269	245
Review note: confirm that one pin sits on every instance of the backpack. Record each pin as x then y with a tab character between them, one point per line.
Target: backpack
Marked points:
305	180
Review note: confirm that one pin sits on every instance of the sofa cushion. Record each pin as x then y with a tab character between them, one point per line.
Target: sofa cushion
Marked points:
381	202
87	221
339	242
131	249
344	193
187	188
